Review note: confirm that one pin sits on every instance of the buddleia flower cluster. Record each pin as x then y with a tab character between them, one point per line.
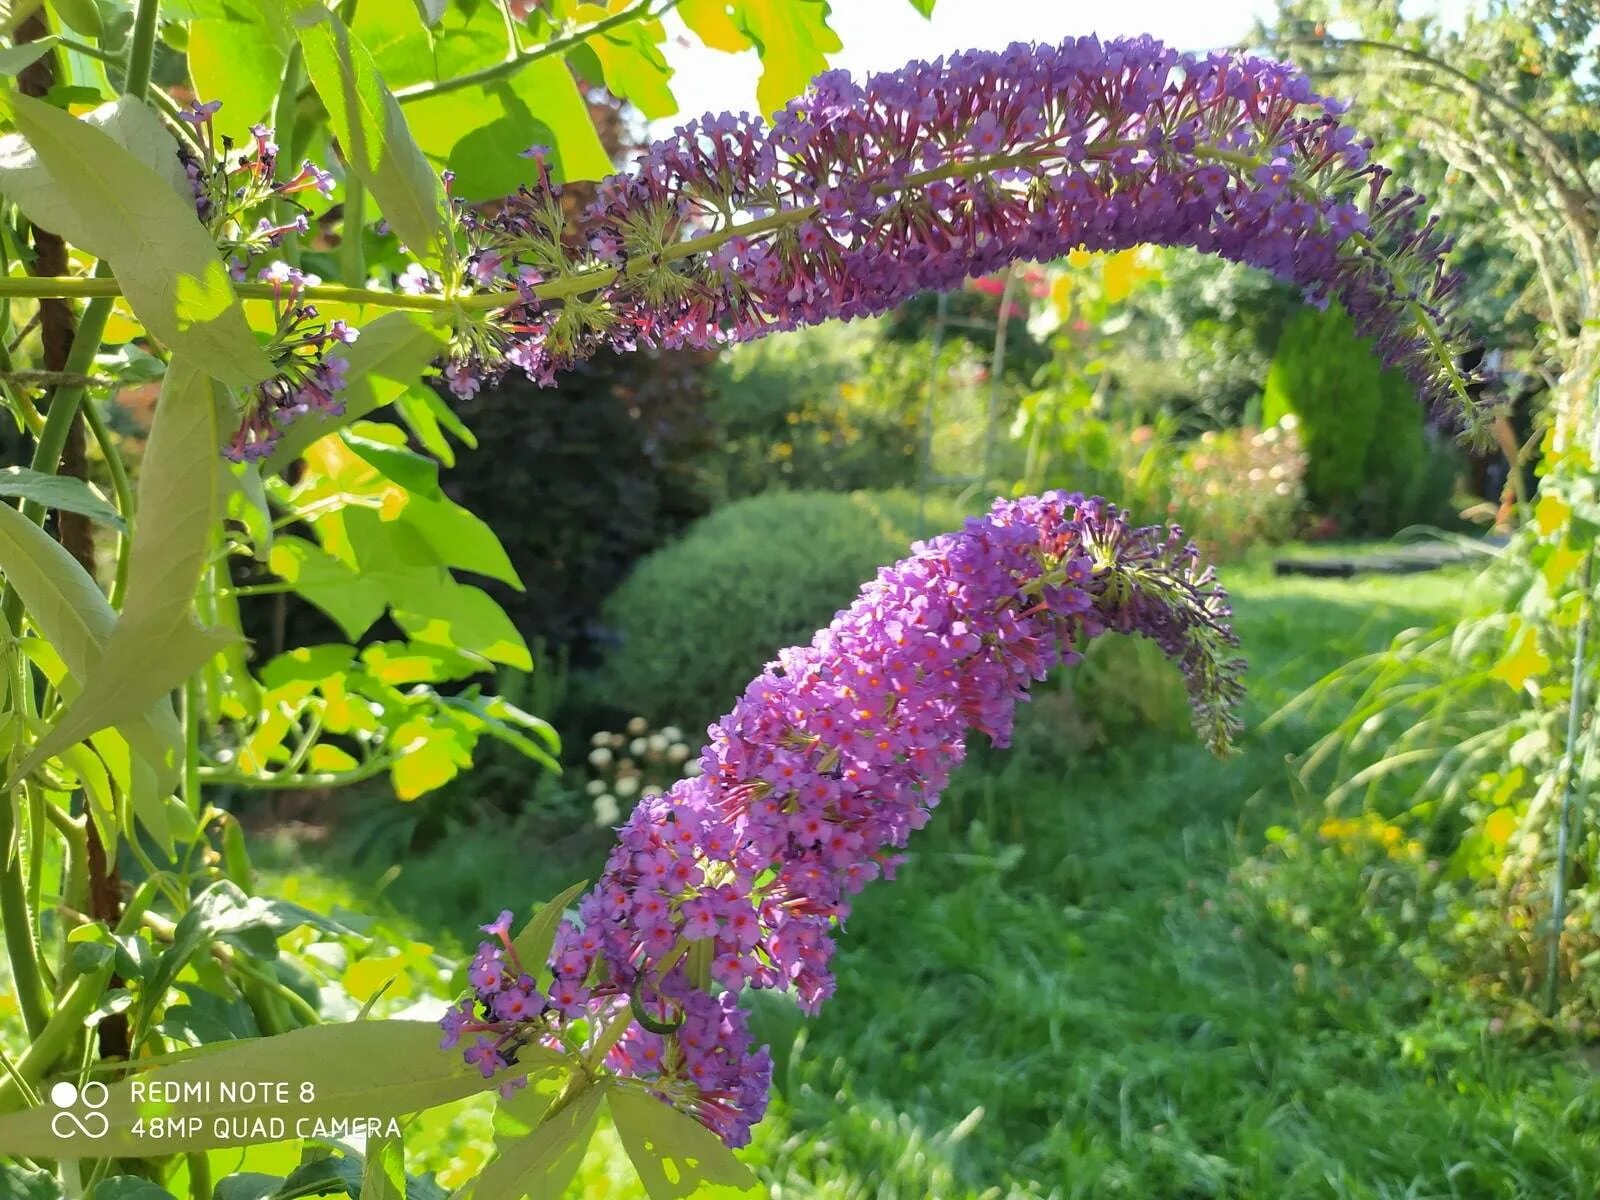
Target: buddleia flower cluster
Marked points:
808	789
249	210
860	195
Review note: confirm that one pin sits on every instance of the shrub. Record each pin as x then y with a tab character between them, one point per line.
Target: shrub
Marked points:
1372	464
1237	488
601	469
696	620
835	408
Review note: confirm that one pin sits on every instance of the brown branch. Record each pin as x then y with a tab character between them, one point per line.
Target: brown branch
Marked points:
57	325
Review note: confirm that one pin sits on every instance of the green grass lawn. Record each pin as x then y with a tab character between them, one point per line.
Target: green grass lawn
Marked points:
1087	983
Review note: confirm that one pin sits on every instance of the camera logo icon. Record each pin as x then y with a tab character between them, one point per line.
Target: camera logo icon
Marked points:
70	1122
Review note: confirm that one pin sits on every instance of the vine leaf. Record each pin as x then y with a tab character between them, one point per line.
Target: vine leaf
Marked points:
677	1157
542	1163
386	362
66	606
60	492
155	644
371	130
103	198
376	1069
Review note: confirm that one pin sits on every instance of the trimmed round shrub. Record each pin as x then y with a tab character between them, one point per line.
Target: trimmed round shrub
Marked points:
697	619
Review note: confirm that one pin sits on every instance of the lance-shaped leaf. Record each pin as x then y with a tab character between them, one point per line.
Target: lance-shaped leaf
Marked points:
104	199
533	944
371	130
156	643
64	605
378	1069
677	1157
60	492
543	1162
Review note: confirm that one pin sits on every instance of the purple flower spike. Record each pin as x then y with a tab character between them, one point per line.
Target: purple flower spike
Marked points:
808	789
862	194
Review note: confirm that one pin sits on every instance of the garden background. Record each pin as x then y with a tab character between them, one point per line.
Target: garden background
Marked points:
1357	958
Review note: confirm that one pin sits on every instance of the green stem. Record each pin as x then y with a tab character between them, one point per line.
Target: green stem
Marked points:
311	780
121	488
199	1175
64	405
58	1033
352	260
16	918
191	745
515	61
142	49
284	118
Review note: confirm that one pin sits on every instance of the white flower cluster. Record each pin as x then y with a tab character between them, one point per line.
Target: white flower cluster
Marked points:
638	762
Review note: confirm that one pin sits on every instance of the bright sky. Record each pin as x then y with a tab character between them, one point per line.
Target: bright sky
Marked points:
880	35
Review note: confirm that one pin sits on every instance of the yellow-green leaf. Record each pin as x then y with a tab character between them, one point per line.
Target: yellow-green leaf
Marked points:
372	131
677	1157
64	604
712	23
794	40
238	61
542	1163
361	1069
156	644
115	206
480	132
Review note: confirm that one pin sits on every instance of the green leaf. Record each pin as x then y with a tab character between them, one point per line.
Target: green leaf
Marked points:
247	1185
60	492
110	203
240	62
459	537
533	944
925	7
456	616
18	1182
480	132
488	714
424	414
67	607
676	1156
417	473
710	22
430	756
631	63
383	1175
127	1187
353	600
362	1069
543	1163
431	11
371	130
16	59
80	16
130	124
155	644
385	363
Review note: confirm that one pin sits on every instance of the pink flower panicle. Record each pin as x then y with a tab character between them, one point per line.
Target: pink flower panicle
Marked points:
818	776
860	195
